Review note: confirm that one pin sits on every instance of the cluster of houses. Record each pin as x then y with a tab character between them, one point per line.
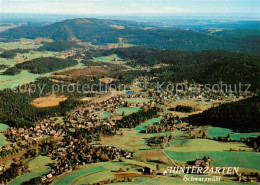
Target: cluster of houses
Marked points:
185	92
80	153
110	106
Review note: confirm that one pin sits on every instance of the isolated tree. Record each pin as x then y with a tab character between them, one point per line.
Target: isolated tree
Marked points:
255	146
158	167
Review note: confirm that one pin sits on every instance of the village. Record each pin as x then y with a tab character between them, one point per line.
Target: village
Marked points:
74	140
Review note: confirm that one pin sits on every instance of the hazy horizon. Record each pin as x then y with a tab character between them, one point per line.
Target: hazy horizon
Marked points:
124	7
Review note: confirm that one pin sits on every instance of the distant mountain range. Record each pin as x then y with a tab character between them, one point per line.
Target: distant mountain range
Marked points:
102	31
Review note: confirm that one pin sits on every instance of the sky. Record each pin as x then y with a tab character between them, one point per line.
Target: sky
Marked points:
129	6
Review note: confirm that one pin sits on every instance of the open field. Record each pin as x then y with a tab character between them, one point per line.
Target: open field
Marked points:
92	71
215	132
20	79
92	173
137	100
117	27
129	140
134	141
23	74
221	158
38	168
198	105
26	177
39	163
70	177
150	122
18	45
3	127
104	115
34	54
106	80
49	101
94	177
128	110
86	99
111	59
27	56
238	136
103	59
2	140
7	81
191	145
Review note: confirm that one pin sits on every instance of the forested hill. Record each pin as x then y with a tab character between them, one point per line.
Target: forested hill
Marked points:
209	66
240	116
102	31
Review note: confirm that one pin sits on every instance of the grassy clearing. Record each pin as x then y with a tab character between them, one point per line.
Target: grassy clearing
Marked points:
127	110
34	54
129	140
238	136
3	127
221	158
92	71
40	163
8	62
70	177
49	101
18	45
14	81
111	59
117	27
137	100
92	173
23	74
178	134
38	168
26	177
148	122
215	132
192	145
2	140
101	59
104	115
95	177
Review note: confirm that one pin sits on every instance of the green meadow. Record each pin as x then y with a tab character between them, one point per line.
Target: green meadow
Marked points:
18	45
70	177
128	110
238	136
3	127
92	178
101	59
137	100
104	115
38	167
220	158
215	132
110	58
20	79
92	173
148	122
2	140
191	145
26	177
